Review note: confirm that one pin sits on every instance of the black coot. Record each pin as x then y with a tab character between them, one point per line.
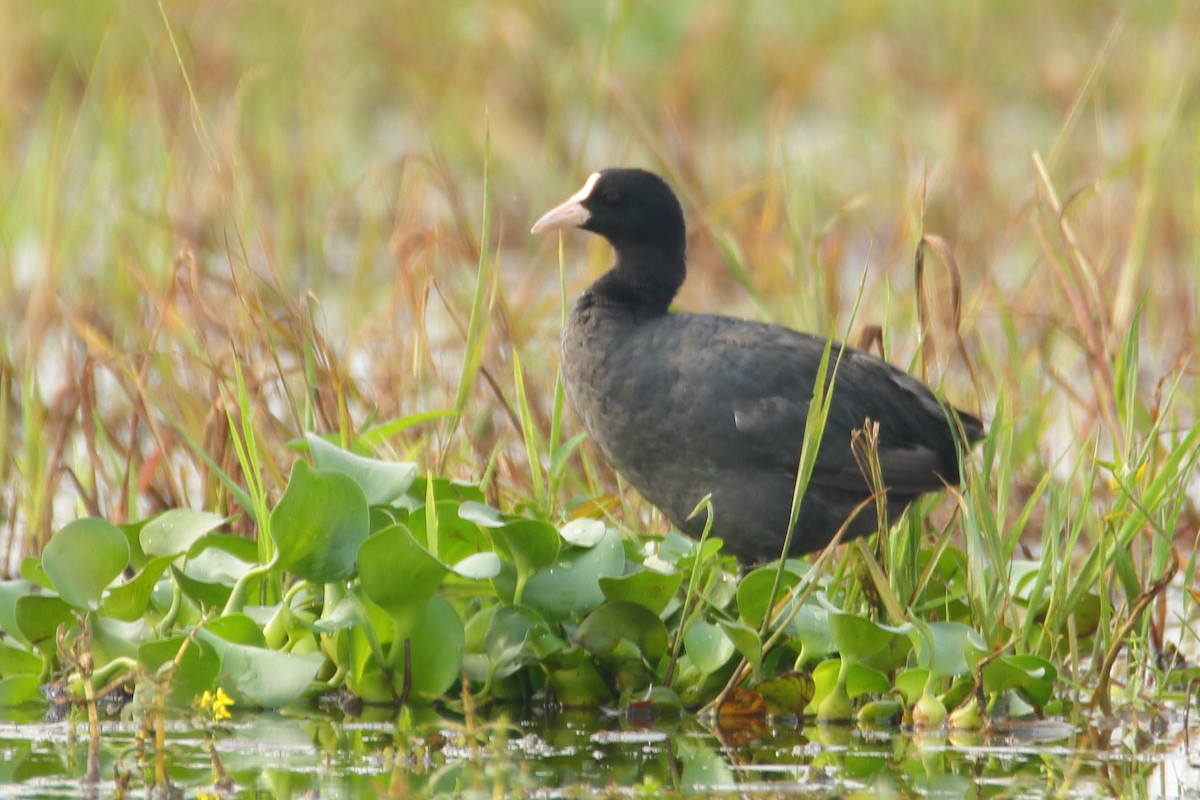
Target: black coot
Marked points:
684	405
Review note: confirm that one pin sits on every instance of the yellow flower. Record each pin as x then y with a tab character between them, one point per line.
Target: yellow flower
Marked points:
214	705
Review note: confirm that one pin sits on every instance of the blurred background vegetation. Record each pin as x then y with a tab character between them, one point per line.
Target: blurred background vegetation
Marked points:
299	188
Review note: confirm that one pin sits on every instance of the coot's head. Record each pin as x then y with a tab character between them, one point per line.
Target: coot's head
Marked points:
628	207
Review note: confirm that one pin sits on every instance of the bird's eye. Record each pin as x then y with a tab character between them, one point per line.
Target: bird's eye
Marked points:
611	196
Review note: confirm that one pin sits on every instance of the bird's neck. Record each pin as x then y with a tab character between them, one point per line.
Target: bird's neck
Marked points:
645	278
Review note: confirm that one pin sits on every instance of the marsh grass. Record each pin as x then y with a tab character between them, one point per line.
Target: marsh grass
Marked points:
226	224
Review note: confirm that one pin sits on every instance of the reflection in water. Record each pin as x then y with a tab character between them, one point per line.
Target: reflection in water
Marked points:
309	754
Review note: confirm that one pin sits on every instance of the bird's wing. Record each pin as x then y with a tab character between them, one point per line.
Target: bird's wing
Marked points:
752	386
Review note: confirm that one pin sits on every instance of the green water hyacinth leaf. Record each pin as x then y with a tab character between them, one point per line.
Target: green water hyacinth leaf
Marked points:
940	647
857	637
481	514
754	592
195	667
480	566
654	590
262	677
174	532
1031	676
708	647
129	600
83	558
38	616
319	524
382	482
811	628
10	593
583	532
746	640
608	626
32	571
21	690
509	639
571	586
436	647
399	575
18	661
861	679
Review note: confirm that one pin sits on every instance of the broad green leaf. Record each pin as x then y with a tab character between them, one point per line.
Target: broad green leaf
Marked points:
480	566
258	676
708	647
10	593
861	679
129	600
83	558
654	590
237	629
399	575
508	642
437	649
533	544
857	637
31	570
194	667
583	532
1032	676
174	532
38	616
21	690
939	647
610	624
746	640
754	592
482	515
811	629
215	565
571	586
319	524
382	482
18	661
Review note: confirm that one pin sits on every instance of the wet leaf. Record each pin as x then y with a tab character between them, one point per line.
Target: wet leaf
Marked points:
399	575
610	624
260	676
1032	676
10	593
746	640
654	590
38	616
571	586
436	646
708	647
83	558
21	690
509	639
129	600
479	566
319	524
17	660
754	592
174	532
193	669
583	532
382	482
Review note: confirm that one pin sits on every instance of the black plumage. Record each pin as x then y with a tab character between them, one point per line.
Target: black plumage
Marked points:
683	405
